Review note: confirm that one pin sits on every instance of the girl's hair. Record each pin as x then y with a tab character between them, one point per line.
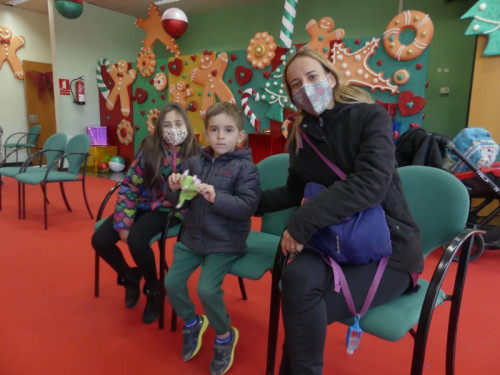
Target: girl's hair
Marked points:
152	146
341	93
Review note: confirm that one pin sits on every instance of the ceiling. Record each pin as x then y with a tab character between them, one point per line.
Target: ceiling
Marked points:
139	8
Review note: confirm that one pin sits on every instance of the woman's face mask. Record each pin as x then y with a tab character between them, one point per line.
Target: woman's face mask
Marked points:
314	97
175	136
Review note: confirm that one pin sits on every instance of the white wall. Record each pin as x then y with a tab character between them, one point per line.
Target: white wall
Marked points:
79	44
35	29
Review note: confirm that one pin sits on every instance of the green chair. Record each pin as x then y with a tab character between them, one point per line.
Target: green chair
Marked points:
52	149
262	245
160	238
75	155
22	140
439	202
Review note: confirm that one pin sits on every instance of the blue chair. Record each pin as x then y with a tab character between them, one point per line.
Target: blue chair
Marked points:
75	154
22	141
439	202
52	149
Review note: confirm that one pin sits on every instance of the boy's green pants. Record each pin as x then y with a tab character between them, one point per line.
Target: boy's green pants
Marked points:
213	269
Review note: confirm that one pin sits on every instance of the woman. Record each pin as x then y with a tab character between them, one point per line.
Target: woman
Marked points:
356	135
137	216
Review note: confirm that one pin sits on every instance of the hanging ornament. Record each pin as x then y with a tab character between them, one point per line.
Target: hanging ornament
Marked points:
69	8
174	22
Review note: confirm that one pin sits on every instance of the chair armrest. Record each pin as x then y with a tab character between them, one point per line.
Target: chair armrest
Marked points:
441	271
21	134
37	154
106	199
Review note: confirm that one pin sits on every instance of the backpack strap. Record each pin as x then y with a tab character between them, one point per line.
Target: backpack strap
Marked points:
340	282
333	167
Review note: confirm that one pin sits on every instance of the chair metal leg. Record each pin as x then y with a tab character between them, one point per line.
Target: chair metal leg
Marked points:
274	310
96	275
435	284
173	321
85	198
22	193
456	302
1	183
63	193
161	245
242	288
44	188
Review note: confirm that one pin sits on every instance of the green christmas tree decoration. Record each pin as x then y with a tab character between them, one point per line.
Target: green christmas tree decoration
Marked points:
486	21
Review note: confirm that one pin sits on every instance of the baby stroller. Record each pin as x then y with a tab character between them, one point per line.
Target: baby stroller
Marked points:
482	185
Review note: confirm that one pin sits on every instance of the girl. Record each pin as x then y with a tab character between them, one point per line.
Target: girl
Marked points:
137	216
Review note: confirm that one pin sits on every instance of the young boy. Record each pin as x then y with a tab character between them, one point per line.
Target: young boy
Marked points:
215	232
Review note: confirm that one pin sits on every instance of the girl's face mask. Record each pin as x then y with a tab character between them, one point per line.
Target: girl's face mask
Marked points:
175	136
314	97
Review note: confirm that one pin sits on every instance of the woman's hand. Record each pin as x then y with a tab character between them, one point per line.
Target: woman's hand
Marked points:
208	192
289	245
123	235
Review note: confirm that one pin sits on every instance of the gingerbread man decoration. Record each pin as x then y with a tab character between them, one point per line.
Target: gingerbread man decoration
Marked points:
8	47
210	74
155	31
122	80
322	35
180	92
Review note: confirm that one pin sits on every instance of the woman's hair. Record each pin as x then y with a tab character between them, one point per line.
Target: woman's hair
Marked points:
341	93
152	146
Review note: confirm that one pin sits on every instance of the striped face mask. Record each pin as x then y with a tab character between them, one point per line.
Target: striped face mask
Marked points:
313	97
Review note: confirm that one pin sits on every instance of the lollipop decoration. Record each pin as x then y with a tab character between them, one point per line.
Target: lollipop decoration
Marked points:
254	120
103	88
287	21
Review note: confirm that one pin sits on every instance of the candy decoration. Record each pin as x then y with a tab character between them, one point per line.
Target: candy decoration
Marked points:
289	13
174	22
356	70
100	82
69	8
254	120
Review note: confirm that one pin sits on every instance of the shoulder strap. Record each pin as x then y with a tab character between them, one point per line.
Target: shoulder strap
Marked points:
341	283
333	167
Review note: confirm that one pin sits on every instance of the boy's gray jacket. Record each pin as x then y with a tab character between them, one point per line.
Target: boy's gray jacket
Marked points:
222	227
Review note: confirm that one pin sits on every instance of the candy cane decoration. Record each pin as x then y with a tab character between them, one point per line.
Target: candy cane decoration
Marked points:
287	21
100	82
254	120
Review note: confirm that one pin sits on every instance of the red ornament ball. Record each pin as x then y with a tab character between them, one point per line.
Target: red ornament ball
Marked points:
174	22
69	8
103	166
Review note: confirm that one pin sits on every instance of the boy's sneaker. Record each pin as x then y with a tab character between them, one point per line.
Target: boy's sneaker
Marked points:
192	337
224	354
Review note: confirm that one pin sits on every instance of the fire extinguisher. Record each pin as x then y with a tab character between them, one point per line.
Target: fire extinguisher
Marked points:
79	98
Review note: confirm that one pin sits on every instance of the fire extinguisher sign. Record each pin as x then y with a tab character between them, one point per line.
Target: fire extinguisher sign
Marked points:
64	88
